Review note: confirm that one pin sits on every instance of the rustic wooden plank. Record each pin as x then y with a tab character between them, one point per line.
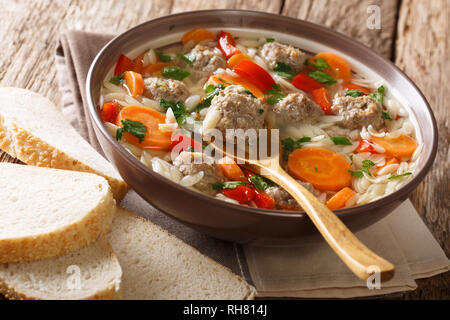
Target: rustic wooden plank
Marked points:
273	6
423	53
350	17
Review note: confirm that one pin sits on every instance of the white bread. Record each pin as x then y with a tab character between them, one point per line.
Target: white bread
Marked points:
33	131
157	265
48	212
90	273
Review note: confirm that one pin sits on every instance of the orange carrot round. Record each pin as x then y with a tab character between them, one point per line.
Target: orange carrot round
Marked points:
154	138
134	83
227	79
231	170
339	67
401	147
325	170
234	60
339	200
197	35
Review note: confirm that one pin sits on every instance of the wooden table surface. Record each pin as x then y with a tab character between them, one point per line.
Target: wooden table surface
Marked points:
414	34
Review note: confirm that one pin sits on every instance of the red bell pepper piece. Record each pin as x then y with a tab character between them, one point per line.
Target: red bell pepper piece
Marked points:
322	98
123	64
263	200
365	146
351	86
185	143
241	194
227	44
303	82
110	111
254	73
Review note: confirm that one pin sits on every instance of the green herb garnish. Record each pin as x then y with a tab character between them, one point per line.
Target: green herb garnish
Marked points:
171	27
276	94
179	111
386	115
249	93
343	141
261	111
260	183
186	58
322	77
290	145
163	57
320	64
211	91
225	81
356	174
228	185
396	176
270	40
283	70
354	93
379	95
351	159
366	165
135	128
117	80
175	73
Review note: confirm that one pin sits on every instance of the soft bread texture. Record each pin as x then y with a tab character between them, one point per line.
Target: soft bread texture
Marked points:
33	131
91	273
157	265
48	212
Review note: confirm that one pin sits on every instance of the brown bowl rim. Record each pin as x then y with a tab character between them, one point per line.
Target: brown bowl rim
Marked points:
365	208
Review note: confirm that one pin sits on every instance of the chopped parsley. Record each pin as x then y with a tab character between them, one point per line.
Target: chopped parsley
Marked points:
260	182
283	70
135	128
320	64
117	80
366	165
386	115
322	77
379	95
261	111
290	145
396	176
171	27
275	94
354	93
211	91
228	185
343	141
186	58
351	159
178	109
356	174
270	40
162	57
175	73
249	93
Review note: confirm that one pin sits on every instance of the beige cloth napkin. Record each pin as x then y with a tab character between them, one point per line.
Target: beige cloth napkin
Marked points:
307	270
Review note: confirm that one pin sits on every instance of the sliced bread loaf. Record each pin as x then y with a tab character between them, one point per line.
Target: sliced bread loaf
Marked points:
48	212
157	265
33	131
90	273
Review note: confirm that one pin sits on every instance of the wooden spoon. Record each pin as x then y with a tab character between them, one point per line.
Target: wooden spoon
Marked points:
360	259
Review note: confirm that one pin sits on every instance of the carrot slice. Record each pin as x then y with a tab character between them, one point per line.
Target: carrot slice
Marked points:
388	162
339	67
197	35
152	68
401	147
322	98
226	79
325	170
134	83
352	86
231	170
234	60
154	138
339	200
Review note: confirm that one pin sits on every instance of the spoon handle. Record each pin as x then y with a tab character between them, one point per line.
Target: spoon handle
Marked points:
360	259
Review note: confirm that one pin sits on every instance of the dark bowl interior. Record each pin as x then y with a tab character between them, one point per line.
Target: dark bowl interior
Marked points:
240	223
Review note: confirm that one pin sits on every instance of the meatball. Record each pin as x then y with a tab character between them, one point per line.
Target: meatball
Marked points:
167	89
237	109
358	112
274	52
190	163
297	107
206	59
283	200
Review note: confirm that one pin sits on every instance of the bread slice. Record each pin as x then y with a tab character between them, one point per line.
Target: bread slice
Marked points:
90	273
48	212
33	131
157	265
